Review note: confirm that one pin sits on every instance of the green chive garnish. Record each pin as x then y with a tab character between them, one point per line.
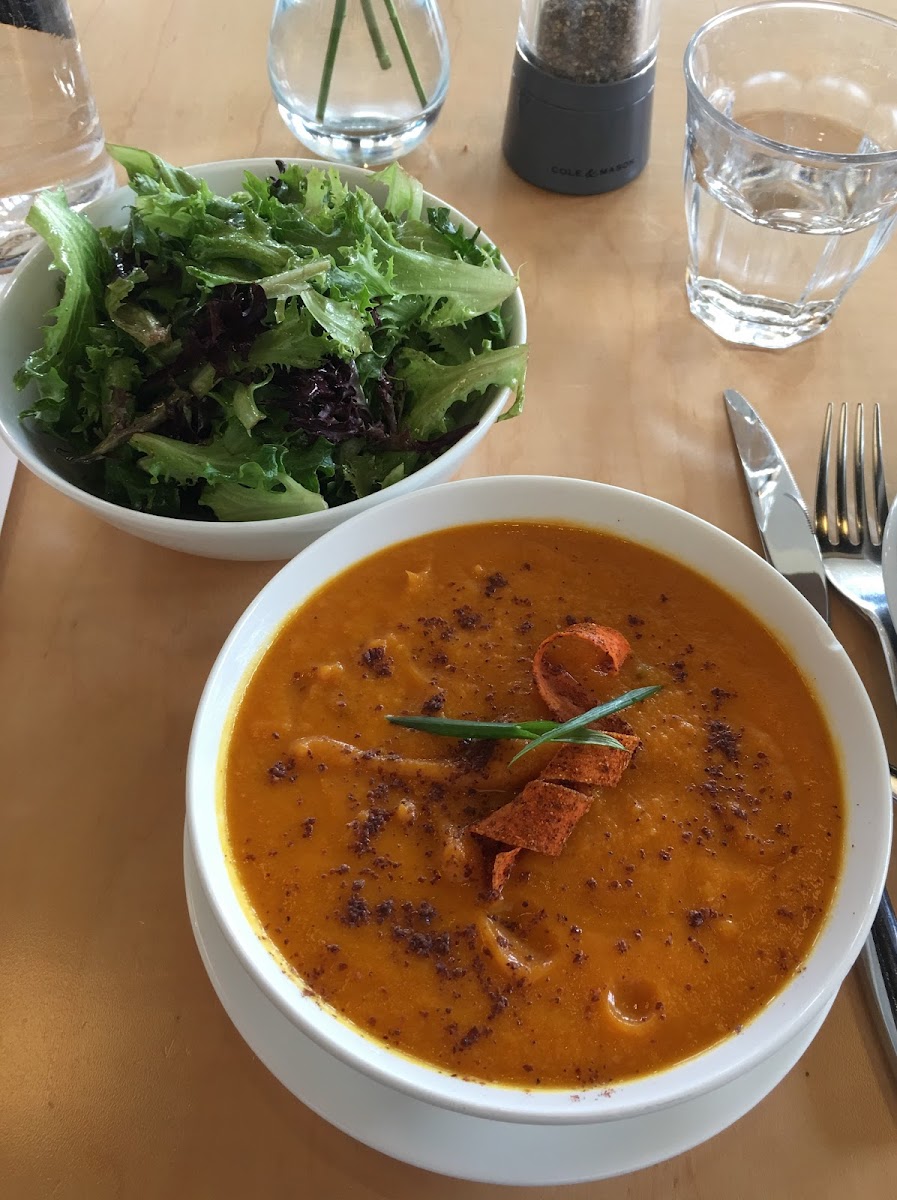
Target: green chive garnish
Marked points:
535	733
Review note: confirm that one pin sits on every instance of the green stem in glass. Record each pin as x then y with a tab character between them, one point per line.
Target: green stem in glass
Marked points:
376	36
406	50
336	28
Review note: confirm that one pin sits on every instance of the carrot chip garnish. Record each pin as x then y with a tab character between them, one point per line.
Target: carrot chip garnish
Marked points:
502	867
542	816
597	766
565	696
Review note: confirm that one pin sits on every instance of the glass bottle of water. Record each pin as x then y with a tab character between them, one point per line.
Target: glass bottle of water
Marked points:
358	81
50	134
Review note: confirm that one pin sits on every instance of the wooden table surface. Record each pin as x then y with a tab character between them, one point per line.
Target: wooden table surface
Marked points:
120	1075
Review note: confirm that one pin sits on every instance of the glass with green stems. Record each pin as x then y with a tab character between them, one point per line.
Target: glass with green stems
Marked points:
358	81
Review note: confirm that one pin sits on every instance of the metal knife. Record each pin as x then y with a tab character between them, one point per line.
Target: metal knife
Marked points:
7	458
7	471
790	545
781	515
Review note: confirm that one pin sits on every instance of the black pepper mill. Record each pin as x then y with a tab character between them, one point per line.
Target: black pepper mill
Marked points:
579	111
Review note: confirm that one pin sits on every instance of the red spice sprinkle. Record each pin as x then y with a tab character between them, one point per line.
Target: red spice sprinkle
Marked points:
723	738
357	911
376	658
467	618
281	769
473	1035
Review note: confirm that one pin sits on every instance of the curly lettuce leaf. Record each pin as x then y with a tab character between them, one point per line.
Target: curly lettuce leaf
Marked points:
292	342
235	502
245	481
369	472
222	458
405	197
341	320
142	165
461	289
434	389
135	319
83	261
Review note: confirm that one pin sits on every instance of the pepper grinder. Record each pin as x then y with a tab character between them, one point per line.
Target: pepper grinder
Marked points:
579	110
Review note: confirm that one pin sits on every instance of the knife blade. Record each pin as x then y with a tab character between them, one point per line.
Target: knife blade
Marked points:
8	460
790	546
781	515
7	471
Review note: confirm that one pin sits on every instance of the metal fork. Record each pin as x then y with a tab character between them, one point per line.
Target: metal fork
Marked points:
853	559
853	567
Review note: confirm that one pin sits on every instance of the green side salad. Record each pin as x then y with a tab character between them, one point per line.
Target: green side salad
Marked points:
267	354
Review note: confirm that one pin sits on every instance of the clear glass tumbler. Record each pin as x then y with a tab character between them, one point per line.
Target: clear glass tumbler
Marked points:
50	134
790	164
358	81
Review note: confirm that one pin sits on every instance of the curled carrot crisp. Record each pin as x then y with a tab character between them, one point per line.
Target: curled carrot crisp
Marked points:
540	817
565	696
596	766
502	866
543	815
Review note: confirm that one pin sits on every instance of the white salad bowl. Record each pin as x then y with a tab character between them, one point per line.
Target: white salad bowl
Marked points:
684	538
32	292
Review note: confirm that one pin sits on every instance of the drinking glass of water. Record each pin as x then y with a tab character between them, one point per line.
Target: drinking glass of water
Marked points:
50	134
790	164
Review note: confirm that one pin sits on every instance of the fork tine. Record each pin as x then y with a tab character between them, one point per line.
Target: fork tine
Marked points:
878	475
822	529
842	518
859	475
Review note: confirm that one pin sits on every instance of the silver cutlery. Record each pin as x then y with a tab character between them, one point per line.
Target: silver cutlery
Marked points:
7	461
807	560
852	561
7	471
853	557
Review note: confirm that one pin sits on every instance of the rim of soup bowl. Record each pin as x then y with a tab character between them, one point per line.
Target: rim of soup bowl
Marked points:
224	176
678	535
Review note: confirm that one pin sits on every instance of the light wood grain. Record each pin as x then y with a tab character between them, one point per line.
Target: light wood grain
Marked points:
120	1075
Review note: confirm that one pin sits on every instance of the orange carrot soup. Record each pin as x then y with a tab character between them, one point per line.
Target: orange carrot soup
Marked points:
598	908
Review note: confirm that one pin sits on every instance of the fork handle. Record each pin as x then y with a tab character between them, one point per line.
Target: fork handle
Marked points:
880	955
887	635
880	951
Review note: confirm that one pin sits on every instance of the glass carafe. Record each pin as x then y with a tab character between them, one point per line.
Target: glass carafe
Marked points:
358	81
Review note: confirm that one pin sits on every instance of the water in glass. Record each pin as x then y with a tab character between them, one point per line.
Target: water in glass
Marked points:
361	82
776	241
790	164
49	130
